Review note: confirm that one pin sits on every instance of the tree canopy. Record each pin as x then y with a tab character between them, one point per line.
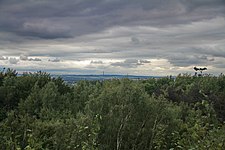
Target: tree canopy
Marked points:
41	112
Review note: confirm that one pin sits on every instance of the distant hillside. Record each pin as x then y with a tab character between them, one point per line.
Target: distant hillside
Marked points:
76	78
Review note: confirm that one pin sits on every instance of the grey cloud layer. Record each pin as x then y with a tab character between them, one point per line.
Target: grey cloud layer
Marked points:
3	58
96	62
130	63
65	19
13	60
185	32
26	58
54	60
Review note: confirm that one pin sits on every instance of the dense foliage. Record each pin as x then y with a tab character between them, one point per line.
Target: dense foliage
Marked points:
40	112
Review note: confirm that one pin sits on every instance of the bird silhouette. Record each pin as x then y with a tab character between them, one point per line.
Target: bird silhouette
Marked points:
196	69
203	68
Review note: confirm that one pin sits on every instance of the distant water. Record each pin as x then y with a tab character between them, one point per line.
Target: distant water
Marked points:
76	78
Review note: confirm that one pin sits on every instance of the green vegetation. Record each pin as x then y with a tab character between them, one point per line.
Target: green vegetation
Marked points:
40	112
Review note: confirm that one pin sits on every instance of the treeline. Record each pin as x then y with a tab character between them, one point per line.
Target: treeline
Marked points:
40	112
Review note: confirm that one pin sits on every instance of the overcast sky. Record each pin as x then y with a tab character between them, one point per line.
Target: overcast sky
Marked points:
140	37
